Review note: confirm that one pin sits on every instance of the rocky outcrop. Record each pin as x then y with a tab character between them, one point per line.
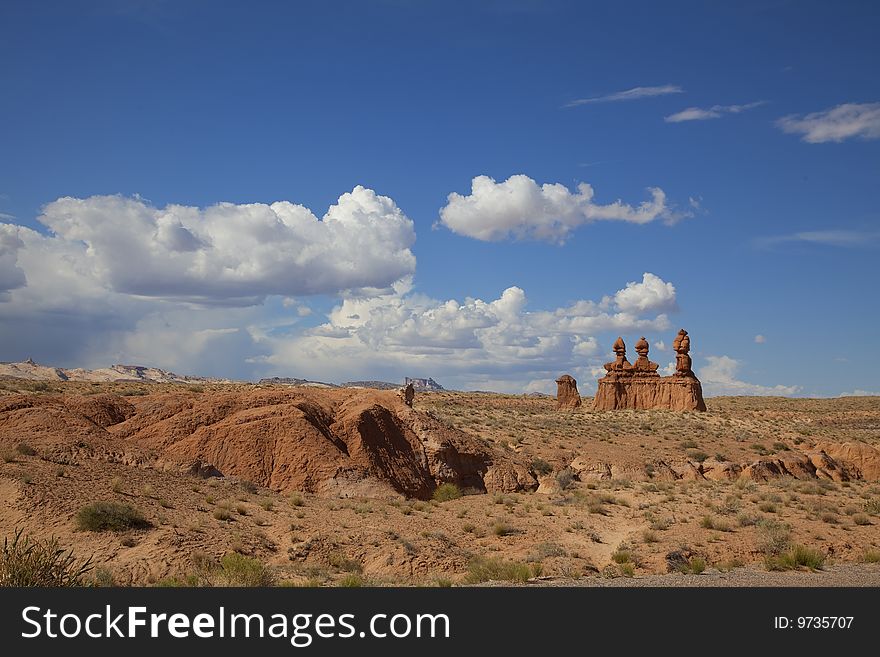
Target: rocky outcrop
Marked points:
860	459
850	461
567	395
341	442
638	386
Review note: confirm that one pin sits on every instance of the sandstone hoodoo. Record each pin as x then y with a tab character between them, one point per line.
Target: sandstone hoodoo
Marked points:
638	386
567	395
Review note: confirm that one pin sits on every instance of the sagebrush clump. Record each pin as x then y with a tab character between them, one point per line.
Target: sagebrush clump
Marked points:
110	516
29	562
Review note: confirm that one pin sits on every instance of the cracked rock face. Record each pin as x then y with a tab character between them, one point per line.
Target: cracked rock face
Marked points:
345	442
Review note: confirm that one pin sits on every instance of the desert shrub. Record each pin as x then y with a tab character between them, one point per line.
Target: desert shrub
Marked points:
872	507
102	577
795	557
26	450
861	519
541	467
267	505
718	524
697	455
296	499
8	456
222	514
767	507
110	516
25	561
502	529
342	562
351	581
565	478
627	569
696	565
774	537
544	550
871	556
446	492
484	569
661	524
621	555
649	536
177	582
239	570
248	486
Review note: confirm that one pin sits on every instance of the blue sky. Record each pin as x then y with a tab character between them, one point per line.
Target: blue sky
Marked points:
124	124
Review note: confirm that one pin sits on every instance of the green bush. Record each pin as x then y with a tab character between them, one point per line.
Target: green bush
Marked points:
541	467
239	570
795	557
26	450
110	516
352	581
484	569
28	562
446	492
696	565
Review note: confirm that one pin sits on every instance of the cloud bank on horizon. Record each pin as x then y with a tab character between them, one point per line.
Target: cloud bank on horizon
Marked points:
184	287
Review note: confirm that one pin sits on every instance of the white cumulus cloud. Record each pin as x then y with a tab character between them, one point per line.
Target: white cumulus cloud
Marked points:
470	343
836	124
519	208
760	339
232	254
719	377
651	294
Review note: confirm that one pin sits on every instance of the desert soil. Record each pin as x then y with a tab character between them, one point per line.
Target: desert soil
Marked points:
602	532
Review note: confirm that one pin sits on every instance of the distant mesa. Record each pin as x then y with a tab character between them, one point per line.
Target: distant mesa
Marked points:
567	395
424	385
290	381
33	371
638	386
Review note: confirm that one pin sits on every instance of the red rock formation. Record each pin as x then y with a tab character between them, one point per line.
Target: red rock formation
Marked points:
639	386
345	442
567	395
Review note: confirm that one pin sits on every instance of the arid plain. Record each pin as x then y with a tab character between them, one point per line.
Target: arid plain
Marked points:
350	496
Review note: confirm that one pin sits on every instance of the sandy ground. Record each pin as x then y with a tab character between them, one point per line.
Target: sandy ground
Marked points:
614	532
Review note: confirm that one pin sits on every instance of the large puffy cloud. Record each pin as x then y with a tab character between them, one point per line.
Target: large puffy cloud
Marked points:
235	254
836	124
522	209
497	344
652	293
719	377
120	280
